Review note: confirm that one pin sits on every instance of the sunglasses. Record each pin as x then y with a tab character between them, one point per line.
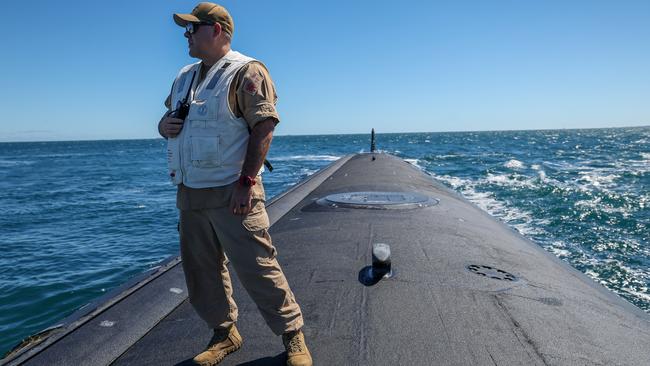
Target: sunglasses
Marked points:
193	27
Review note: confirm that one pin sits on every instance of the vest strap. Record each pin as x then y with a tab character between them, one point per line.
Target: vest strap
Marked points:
217	76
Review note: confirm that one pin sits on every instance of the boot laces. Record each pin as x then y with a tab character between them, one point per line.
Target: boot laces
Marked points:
295	345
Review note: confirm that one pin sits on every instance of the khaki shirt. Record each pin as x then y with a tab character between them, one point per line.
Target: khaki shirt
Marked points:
251	96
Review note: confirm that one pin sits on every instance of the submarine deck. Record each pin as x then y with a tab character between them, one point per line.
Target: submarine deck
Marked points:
528	307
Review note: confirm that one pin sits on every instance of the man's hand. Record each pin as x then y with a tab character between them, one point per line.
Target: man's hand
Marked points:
170	126
240	203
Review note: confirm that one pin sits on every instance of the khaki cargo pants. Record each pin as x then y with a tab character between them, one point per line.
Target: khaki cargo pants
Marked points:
207	237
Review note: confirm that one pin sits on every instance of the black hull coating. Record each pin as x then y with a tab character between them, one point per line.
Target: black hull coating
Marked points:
435	310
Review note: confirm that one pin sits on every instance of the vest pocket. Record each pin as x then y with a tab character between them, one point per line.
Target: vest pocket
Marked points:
205	151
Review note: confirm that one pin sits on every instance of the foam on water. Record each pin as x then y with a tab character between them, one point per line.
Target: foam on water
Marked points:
561	253
306	157
511	180
519	219
514	164
307	172
597	178
415	162
641	293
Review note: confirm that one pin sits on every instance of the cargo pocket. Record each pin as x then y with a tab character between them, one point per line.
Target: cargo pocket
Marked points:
257	219
205	151
257	223
267	253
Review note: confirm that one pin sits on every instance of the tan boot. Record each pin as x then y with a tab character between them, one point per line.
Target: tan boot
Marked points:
297	352
221	344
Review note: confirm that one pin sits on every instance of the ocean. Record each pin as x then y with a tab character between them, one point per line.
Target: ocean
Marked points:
80	218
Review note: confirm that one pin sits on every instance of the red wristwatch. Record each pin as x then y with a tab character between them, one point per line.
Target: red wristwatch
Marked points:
246	181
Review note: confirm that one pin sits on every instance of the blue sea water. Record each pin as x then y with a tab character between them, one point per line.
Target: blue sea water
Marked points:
80	218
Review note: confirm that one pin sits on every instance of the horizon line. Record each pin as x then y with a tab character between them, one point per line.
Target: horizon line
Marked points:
344	134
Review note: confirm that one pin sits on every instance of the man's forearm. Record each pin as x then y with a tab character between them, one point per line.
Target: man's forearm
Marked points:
259	143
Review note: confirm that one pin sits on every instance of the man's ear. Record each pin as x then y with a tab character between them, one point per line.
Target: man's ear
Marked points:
217	29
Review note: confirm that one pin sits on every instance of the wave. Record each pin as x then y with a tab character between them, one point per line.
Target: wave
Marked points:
598	178
505	180
415	163
306	158
514	164
519	219
560	253
625	280
642	295
307	171
64	155
443	156
12	163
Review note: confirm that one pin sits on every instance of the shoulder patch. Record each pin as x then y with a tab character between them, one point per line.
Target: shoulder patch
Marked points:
252	83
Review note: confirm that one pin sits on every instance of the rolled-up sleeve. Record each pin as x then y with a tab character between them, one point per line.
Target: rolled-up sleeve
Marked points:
254	95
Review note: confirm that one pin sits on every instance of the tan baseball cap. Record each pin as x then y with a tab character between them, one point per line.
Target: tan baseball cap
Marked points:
207	12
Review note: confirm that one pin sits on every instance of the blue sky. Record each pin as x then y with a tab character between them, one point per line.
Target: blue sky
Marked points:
101	70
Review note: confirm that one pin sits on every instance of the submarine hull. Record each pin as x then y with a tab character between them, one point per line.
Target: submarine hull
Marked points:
464	289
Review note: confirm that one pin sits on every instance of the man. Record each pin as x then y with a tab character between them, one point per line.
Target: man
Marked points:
220	148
